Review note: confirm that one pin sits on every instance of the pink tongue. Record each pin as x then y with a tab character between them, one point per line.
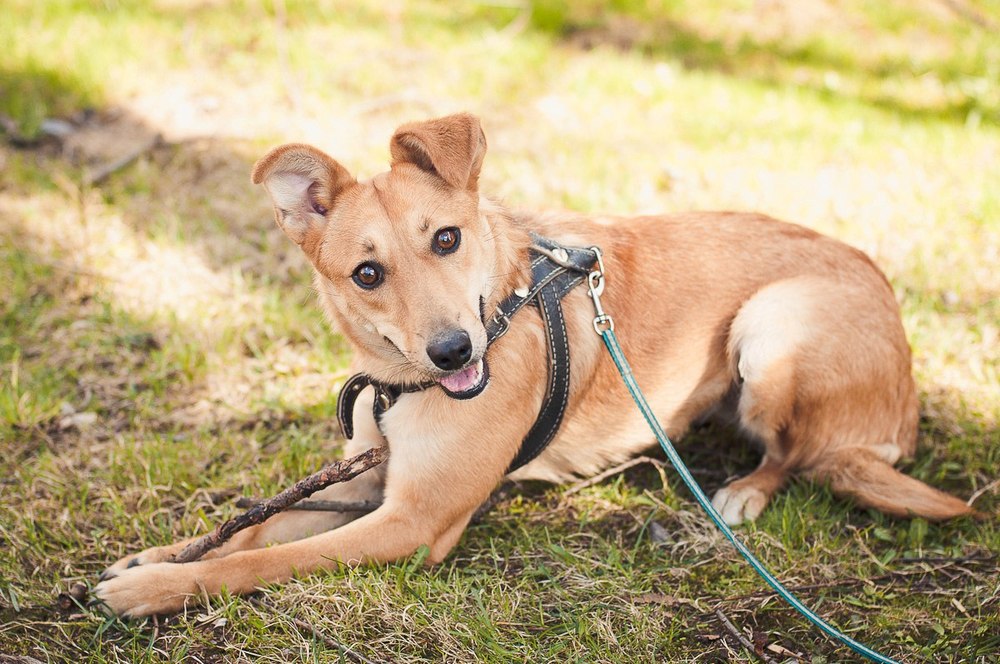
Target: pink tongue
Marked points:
463	380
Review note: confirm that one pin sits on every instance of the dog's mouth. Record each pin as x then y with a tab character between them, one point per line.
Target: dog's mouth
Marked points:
468	382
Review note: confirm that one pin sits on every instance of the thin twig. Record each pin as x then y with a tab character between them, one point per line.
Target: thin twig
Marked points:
992	485
499	493
338	471
302	625
102	173
600	477
744	641
362	506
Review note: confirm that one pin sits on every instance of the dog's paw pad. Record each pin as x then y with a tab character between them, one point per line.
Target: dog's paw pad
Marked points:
739	504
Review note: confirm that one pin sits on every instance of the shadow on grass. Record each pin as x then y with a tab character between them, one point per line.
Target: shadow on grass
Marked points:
31	94
817	65
954	454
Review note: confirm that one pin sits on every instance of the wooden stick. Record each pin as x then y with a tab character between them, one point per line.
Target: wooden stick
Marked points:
622	467
738	635
105	171
366	506
363	506
338	471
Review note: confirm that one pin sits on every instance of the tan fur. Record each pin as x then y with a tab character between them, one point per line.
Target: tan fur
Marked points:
800	331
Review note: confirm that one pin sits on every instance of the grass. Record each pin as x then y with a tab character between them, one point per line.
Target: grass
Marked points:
164	302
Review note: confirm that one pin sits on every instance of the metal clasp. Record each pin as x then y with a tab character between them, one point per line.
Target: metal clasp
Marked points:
383	401
595	280
502	321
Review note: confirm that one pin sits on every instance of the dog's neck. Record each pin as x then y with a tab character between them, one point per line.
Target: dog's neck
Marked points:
512	244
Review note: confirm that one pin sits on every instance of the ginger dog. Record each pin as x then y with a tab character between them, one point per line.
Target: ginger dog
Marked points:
796	335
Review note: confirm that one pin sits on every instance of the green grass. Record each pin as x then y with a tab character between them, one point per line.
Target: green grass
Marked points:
165	302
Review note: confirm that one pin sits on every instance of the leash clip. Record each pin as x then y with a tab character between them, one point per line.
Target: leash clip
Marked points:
595	280
502	322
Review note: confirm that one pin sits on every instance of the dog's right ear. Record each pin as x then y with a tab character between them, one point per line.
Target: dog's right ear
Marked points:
304	183
451	147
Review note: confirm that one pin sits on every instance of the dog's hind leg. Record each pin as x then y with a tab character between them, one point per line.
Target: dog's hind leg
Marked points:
766	404
295	524
744	499
826	387
764	342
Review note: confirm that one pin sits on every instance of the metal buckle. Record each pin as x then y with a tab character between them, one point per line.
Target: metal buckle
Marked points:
502	321
600	259
604	323
595	280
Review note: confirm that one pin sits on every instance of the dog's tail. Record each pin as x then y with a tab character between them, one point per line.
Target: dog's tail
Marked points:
872	482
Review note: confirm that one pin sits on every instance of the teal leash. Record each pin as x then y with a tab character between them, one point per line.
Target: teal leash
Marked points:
605	327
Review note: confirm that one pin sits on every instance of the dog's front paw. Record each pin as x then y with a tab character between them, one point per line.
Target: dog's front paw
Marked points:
737	504
145	590
151	556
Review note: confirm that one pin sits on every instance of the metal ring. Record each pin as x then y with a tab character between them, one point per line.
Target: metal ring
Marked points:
604	323
503	321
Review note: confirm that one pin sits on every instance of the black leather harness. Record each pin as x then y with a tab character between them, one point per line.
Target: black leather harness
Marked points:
555	270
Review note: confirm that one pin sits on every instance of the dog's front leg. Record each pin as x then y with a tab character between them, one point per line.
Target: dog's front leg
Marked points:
432	489
387	534
292	525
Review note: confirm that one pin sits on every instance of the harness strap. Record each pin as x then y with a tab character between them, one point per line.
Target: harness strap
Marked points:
557	391
564	267
555	270
385	396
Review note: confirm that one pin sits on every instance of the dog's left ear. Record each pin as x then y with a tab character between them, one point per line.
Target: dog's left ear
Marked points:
304	183
451	147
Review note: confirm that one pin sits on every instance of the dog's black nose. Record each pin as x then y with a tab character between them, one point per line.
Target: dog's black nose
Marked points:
451	350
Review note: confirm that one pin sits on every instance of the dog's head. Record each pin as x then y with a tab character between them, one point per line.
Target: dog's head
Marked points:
405	262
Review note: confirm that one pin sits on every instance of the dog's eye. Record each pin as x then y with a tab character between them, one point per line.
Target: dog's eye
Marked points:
446	240
368	275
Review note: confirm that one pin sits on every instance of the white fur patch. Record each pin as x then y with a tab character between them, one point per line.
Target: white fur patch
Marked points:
771	325
889	452
739	505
